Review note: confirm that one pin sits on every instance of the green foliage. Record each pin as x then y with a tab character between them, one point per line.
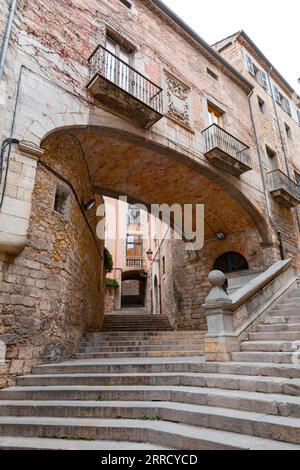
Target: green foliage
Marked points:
150	418
108	261
112	282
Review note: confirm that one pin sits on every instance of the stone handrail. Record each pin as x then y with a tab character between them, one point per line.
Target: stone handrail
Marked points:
229	317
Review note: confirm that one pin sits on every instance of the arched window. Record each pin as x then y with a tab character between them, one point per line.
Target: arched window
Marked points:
231	262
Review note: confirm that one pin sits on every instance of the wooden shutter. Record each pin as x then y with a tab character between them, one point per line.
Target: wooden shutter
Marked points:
264	80
286	105
250	65
277	95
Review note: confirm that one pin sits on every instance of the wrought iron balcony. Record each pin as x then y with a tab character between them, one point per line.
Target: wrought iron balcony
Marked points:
120	87
283	189
226	152
135	262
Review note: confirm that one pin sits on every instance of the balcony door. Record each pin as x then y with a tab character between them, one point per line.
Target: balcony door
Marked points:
117	71
214	115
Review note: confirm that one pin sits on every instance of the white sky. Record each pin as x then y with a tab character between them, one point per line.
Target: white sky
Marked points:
273	25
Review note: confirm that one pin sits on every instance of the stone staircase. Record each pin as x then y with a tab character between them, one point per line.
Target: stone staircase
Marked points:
274	340
135	319
125	344
162	402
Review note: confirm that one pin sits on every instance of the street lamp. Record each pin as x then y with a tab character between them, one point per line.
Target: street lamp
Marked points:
221	236
88	205
149	254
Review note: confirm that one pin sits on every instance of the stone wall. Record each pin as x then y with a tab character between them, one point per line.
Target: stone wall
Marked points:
184	286
131	287
54	290
110	298
271	132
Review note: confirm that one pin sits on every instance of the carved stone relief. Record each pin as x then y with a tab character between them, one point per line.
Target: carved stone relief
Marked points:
178	105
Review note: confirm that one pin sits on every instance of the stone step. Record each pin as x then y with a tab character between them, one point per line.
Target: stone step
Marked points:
275	320
280	336
272	404
145	353
140	348
289	301
279	327
264	426
37	443
142	334
208	380
287	312
134	322
294	294
266	357
137	317
138	328
174	365
174	435
269	346
151	342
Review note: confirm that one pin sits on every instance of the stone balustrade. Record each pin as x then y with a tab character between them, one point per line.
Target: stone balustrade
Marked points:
229	318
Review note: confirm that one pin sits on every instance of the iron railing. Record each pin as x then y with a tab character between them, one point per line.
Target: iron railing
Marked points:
135	262
218	138
280	181
114	69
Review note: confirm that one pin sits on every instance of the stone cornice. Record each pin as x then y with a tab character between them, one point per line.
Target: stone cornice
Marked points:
188	34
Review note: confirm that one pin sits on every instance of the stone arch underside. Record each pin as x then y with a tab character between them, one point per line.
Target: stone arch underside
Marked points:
122	163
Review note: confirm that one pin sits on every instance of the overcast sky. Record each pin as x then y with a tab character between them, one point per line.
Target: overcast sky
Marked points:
274	26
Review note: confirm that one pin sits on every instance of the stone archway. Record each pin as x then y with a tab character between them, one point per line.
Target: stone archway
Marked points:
133	289
123	163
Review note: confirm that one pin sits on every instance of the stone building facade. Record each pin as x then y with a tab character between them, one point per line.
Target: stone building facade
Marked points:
140	121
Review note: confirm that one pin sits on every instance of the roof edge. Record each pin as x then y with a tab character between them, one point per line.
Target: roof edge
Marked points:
258	51
187	29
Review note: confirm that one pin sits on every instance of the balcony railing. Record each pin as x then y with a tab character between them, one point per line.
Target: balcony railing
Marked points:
226	151
135	262
114	70
285	190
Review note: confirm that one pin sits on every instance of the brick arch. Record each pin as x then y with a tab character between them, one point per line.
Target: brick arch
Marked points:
126	163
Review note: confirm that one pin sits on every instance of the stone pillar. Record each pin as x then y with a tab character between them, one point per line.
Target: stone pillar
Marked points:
16	208
220	340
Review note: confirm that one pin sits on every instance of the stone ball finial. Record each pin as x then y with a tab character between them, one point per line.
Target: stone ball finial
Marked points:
216	278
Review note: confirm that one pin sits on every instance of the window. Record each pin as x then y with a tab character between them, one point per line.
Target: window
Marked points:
134	246
126	3
257	73
288	131
214	114
261	105
212	74
134	215
61	200
281	100
272	159
298	115
164	263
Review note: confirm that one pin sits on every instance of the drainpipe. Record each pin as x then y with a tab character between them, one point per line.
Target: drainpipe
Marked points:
268	206
6	37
